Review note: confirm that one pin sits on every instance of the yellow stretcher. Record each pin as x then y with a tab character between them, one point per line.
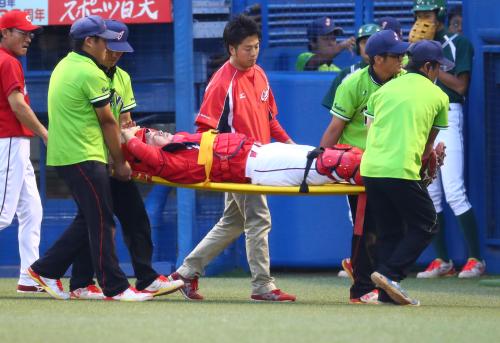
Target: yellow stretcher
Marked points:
327	189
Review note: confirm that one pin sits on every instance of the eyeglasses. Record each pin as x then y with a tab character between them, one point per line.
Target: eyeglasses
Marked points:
398	56
25	34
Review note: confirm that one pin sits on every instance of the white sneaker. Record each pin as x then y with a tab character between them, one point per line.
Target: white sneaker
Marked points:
473	268
91	292
51	286
161	285
343	273
437	268
131	294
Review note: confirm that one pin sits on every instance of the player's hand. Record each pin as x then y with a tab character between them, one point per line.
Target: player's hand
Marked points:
129	133
122	171
290	141
348	44
128	124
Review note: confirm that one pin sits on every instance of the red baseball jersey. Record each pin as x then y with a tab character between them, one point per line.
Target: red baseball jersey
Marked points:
11	78
241	101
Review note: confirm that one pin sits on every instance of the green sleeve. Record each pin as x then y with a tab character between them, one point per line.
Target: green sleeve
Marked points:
345	100
441	119
302	60
128	96
463	60
96	86
330	95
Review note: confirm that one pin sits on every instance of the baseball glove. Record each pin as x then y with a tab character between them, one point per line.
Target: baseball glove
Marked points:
431	164
422	29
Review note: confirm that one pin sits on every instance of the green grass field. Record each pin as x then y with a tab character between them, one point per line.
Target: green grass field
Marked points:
452	310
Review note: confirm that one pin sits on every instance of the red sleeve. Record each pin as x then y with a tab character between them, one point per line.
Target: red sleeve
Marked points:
213	105
147	154
12	77
277	132
273	109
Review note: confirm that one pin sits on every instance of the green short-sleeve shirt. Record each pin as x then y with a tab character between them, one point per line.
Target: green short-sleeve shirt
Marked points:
76	84
458	49
403	113
303	58
122	99
344	73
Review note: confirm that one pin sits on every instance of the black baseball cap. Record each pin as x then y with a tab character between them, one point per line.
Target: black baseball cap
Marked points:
429	51
323	26
385	42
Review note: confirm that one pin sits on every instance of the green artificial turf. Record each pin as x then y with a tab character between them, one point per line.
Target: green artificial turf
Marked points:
452	310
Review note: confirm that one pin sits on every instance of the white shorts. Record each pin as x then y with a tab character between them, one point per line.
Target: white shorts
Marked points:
279	164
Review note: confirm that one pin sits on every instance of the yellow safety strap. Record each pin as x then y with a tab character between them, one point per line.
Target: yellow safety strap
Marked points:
206	154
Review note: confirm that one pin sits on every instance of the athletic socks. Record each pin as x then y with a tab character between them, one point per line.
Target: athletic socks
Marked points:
439	242
468	225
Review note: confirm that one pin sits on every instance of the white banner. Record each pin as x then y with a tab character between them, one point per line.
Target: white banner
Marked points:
37	9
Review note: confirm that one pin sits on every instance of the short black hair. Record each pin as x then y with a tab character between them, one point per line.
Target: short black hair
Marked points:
238	29
414	66
454	11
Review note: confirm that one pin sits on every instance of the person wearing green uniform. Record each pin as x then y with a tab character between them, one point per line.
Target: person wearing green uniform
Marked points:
362	36
82	129
322	34
128	205
450	183
385	50
404	118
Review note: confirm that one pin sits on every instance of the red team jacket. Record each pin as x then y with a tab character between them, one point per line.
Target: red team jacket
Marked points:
177	162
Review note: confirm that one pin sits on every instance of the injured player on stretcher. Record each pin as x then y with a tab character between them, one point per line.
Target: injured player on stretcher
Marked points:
232	157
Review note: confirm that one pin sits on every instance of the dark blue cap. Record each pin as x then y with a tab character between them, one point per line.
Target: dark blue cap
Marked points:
119	44
429	51
385	42
93	25
390	23
323	26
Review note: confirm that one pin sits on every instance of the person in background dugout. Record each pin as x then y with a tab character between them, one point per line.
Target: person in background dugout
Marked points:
450	181
128	205
322	35
238	99
364	32
455	20
18	123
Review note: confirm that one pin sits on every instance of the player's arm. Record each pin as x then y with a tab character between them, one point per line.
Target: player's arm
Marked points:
327	53
333	132
126	120
459	83
25	114
430	143
111	133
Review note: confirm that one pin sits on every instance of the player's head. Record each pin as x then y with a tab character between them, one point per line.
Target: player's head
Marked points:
430	10
386	51
426	56
455	20
157	137
391	23
364	32
322	32
89	34
242	41
17	31
116	47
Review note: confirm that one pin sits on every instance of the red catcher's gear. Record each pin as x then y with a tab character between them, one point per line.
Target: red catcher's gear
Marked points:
341	163
180	163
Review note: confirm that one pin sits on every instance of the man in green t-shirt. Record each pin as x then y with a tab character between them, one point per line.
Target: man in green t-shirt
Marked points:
385	50
322	35
362	36
128	205
82	129
455	83
407	114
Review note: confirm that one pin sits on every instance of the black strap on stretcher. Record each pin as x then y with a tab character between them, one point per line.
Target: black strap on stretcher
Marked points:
311	155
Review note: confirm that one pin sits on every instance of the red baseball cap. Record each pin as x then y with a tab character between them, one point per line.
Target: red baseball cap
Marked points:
17	19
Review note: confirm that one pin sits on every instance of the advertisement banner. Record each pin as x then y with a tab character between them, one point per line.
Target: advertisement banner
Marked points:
37	9
65	12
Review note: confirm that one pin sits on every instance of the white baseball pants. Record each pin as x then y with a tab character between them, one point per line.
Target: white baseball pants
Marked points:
19	195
